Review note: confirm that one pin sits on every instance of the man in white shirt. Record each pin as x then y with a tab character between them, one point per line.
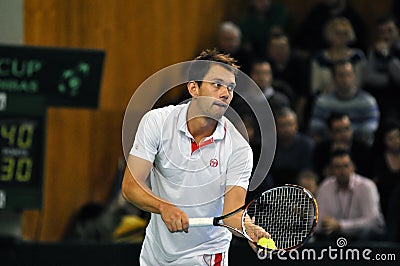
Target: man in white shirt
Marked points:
198	166
348	203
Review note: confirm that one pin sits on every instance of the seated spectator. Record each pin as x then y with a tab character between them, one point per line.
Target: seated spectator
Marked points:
264	17
339	33
293	150
229	40
348	203
309	37
309	180
340	136
386	161
262	75
288	68
348	98
381	77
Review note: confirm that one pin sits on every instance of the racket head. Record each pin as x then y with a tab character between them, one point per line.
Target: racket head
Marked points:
288	213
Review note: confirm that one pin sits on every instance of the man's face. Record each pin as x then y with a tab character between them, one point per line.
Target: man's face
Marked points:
342	167
388	32
279	49
286	127
229	41
341	131
345	79
392	140
262	75
216	91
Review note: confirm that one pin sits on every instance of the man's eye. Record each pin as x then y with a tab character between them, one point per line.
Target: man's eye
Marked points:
230	87
217	85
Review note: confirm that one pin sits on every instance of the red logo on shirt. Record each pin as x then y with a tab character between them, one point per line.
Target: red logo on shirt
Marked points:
214	162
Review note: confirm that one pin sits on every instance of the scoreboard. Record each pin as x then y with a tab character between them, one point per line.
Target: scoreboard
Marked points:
31	79
22	139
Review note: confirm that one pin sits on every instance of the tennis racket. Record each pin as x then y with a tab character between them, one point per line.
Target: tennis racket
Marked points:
288	213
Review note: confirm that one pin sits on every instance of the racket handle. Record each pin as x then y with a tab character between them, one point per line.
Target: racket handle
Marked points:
198	222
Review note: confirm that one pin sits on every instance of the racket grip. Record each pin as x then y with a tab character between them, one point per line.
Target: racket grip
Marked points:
198	222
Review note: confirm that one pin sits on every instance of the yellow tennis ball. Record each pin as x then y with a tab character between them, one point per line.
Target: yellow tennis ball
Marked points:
266	243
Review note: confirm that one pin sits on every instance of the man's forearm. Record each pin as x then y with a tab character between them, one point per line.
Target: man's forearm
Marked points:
140	195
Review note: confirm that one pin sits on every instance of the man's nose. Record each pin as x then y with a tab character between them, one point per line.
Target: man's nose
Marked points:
224	92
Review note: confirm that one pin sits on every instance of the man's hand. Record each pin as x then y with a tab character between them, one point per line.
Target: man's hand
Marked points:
329	225
255	232
174	218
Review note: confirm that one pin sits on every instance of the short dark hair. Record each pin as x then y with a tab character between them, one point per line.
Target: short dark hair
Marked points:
257	62
386	19
277	35
335	116
284	111
339	153
202	63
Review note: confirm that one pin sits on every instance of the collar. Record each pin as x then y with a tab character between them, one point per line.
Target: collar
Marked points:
218	134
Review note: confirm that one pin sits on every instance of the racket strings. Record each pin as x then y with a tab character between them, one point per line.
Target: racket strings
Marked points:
287	213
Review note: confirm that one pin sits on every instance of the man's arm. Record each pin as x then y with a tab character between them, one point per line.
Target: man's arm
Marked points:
234	199
371	216
136	191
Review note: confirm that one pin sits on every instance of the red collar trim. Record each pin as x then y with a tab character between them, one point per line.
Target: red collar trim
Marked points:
195	147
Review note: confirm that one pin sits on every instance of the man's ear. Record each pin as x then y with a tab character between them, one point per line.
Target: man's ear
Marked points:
193	88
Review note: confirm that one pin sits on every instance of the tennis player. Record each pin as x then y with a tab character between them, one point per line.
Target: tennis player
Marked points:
190	161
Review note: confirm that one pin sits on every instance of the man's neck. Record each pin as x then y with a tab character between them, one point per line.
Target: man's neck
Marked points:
200	126
348	95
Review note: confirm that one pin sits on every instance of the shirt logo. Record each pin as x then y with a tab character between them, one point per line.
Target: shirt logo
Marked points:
214	162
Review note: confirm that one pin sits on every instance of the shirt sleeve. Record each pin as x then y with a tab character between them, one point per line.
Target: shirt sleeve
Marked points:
147	138
371	220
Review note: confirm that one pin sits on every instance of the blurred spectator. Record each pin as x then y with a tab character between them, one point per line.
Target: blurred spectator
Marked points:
253	133
229	40
340	136
264	17
310	34
348	203
309	180
288	68
293	150
359	105
339	34
261	73
382	77
116	220
386	161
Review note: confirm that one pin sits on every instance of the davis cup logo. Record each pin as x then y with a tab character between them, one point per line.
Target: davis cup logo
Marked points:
214	162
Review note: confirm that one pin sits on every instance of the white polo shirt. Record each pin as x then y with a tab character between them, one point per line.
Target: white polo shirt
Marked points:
192	177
